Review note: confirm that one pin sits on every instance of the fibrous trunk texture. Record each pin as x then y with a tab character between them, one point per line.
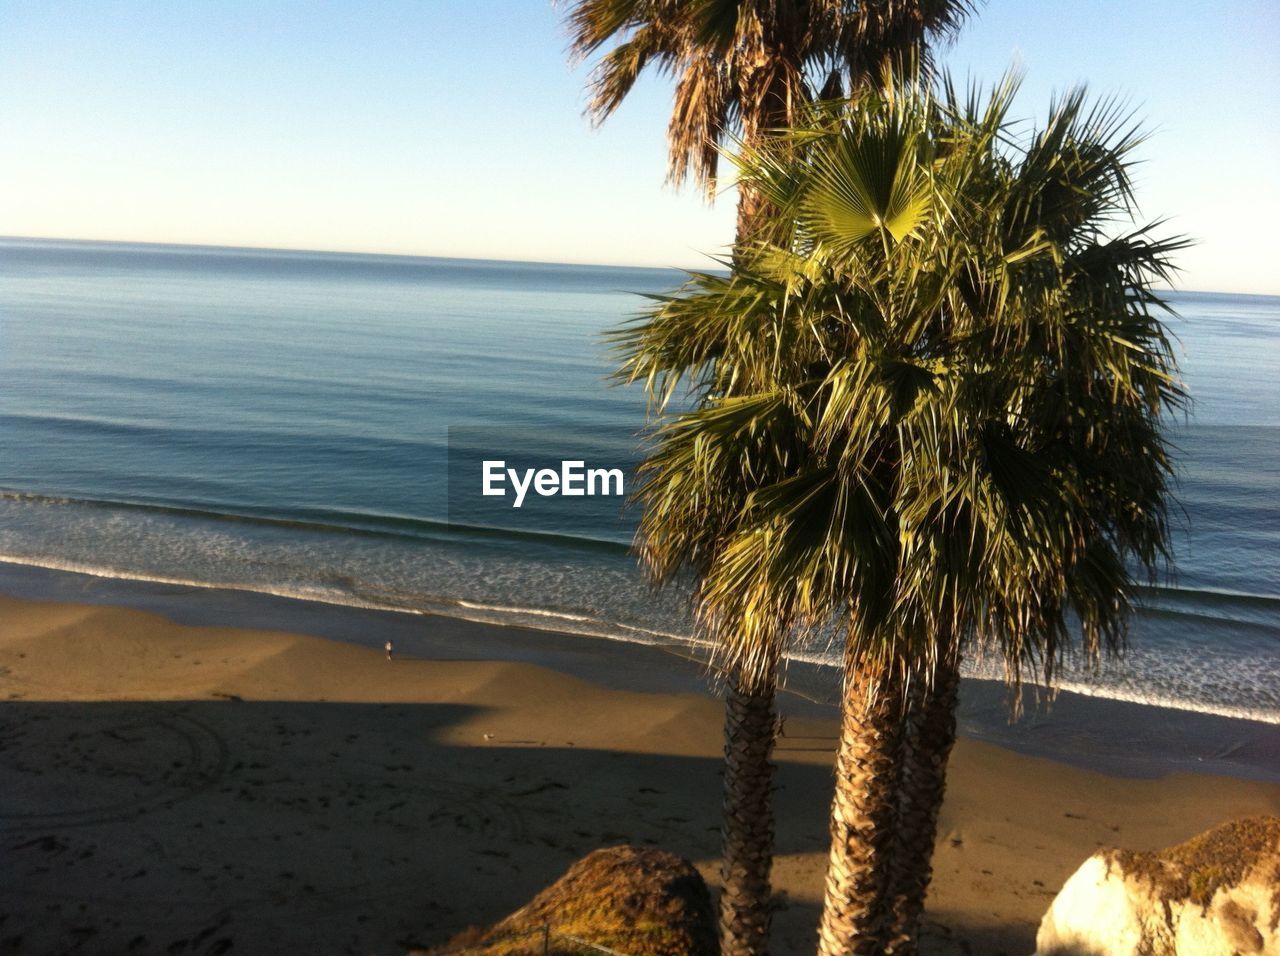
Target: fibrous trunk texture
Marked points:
930	732
766	109
750	723
862	814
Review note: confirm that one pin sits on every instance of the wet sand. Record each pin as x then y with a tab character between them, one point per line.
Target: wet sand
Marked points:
180	788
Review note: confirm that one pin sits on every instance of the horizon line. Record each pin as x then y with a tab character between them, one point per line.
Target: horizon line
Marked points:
416	255
347	252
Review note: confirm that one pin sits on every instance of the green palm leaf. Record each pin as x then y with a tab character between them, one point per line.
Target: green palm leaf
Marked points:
865	185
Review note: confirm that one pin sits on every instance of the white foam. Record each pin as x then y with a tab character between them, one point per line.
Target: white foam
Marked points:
545	619
1154	699
341	599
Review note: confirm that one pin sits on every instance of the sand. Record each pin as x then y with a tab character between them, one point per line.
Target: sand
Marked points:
167	788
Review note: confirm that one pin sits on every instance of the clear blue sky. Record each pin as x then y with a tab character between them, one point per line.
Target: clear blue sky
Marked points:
454	127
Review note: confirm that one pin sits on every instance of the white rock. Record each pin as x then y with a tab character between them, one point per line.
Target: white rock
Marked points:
1215	895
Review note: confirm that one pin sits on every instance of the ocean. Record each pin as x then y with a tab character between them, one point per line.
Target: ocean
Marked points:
280	422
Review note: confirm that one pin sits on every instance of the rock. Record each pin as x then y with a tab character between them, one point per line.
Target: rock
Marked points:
1218	894
636	901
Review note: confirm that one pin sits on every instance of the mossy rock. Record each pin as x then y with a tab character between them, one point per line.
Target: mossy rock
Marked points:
636	901
1195	870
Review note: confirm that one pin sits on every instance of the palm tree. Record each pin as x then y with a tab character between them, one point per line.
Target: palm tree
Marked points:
743	68
927	420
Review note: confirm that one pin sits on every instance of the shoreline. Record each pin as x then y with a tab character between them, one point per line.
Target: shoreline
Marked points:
126	588
212	780
1092	732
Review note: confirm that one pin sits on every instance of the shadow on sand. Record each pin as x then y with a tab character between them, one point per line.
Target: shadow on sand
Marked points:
197	827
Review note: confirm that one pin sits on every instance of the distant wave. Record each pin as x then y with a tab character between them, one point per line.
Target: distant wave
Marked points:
1267	630
228	436
1208	594
331	521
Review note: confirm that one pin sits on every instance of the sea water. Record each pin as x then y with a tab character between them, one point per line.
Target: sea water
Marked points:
279	422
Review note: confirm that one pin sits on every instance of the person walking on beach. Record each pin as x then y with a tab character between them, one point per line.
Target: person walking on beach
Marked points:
389	649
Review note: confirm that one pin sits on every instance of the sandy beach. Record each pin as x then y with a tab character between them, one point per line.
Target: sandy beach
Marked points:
171	788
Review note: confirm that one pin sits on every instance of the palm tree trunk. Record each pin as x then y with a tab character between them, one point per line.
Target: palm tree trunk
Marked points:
750	715
749	727
766	108
750	210
930	734
862	813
